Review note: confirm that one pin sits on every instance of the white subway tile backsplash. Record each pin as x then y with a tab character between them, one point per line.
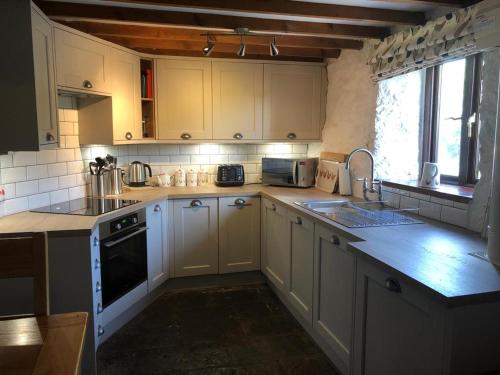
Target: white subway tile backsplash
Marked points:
407	202
454	216
67	181
60	114
48	184
6	160
65	128
24	158
10	191
462	206
77	192
59	196
265	149
75	167
148	150
180	159
189	149
57	169
26	188
210	149
282	148
441	201
36	172
430	210
255	158
393	200
71	115
10	175
237	158
141	158
72	141
200	159
250	168
247	149
228	149
422	197
299	149
38	200
15	205
65	154
167	150
159	160
219	159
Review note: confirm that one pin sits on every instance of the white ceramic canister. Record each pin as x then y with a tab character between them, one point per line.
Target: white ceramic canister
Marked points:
180	177
192	178
165	180
202	177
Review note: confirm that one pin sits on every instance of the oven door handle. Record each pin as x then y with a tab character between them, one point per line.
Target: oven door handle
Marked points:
135	233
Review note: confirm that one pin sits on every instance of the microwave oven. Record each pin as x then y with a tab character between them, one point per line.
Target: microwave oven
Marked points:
289	172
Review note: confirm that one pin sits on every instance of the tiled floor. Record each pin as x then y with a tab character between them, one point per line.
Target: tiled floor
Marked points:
236	330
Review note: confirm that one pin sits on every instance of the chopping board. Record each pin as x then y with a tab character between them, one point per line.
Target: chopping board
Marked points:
327	176
334	156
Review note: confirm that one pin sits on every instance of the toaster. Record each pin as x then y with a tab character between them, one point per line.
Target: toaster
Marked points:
230	175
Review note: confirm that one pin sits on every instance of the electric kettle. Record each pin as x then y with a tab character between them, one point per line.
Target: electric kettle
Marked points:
136	175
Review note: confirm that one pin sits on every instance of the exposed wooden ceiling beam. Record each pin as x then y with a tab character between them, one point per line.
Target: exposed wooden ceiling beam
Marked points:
73	11
102	30
286	8
445	3
144	43
227	55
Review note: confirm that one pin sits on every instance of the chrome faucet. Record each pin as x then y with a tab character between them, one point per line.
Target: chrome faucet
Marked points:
367	186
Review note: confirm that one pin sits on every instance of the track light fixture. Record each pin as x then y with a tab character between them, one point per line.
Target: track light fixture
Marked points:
243	48
209	48
273	49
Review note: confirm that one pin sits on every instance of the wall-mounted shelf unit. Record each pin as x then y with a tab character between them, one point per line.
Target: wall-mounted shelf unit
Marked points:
147	99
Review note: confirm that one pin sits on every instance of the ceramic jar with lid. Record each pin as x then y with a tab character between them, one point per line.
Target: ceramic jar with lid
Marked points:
192	178
180	177
202	177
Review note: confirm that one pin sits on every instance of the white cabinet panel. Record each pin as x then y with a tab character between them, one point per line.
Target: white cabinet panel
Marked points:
239	234
237	100
292	102
275	244
301	259
184	99
82	63
156	218
334	280
195	236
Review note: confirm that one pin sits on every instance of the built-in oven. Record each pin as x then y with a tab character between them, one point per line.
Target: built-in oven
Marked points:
123	252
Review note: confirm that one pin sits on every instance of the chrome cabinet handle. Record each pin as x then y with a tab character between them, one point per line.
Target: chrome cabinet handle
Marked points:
49	137
87	84
128	136
273	207
98	287
196	203
185	136
298	220
100	331
97	264
291	136
335	240
96	242
99	308
238	136
239	202
157	208
392	285
135	233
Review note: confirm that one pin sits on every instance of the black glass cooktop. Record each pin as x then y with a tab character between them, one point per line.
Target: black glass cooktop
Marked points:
86	206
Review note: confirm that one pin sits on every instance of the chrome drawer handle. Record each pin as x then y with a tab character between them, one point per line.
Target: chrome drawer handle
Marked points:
335	240
185	136
291	136
100	331
98	287
392	285
87	84
157	208
238	136
239	202
298	220
96	242
128	136
196	203
97	264
49	137
99	308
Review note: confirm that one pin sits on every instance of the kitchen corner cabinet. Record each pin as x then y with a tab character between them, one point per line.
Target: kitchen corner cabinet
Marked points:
82	63
301	259
28	99
126	94
275	244
156	217
334	285
239	234
237	100
292	102
399	329
195	228
184	99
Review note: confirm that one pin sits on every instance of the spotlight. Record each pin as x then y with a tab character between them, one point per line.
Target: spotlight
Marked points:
242	49
207	51
273	49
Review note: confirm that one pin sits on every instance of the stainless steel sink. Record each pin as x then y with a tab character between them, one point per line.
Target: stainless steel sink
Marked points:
359	214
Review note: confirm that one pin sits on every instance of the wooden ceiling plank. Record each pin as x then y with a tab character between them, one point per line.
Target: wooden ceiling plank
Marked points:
72	11
444	3
324	12
102	30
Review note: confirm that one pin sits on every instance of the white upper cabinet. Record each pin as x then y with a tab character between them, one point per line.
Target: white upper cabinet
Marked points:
237	100
184	99
126	93
45	88
82	63
239	234
292	102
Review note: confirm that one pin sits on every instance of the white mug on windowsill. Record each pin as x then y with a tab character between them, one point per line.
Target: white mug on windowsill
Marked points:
430	176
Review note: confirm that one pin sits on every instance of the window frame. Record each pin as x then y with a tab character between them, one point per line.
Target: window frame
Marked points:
430	133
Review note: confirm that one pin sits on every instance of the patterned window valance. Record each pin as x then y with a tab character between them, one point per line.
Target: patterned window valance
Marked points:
447	37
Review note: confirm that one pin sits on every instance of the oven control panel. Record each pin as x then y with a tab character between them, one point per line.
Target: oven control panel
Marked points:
121	223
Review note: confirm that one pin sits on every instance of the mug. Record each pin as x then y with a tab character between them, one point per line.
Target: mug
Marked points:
430	175
165	180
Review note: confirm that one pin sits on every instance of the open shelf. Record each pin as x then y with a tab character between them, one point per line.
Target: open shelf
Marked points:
147	99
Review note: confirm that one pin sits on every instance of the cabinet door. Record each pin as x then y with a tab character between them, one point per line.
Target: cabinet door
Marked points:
292	102
334	279
301	269
45	86
195	237
82	63
399	330
156	217
237	100
126	92
239	234
184	99
275	244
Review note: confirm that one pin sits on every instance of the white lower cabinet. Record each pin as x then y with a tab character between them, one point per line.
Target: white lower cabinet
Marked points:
195	231
399	329
275	244
239	234
334	284
301	264
156	218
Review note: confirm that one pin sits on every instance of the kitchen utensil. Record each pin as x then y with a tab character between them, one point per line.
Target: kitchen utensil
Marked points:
230	175
327	176
114	186
111	160
92	167
137	175
101	163
192	178
430	175
202	177
180	177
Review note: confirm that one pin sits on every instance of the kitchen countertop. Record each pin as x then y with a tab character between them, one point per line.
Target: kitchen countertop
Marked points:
433	255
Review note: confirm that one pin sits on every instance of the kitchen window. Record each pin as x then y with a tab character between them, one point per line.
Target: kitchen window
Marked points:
451	119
